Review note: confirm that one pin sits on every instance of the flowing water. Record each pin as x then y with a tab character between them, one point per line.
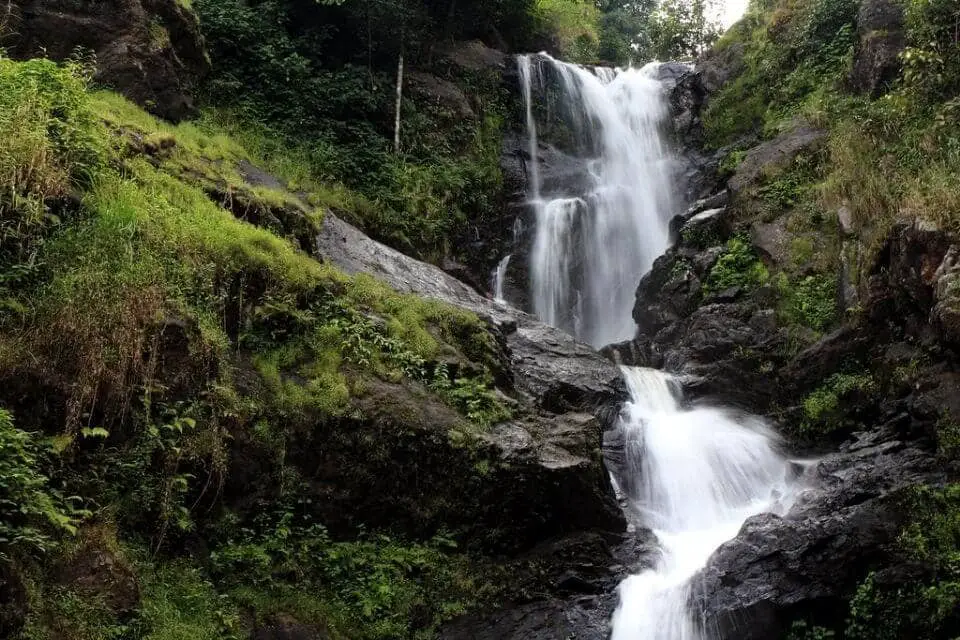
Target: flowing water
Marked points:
499	275
698	474
692	475
594	240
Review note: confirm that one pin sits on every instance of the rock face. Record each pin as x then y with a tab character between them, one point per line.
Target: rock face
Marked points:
555	371
149	50
546	494
807	565
880	29
775	154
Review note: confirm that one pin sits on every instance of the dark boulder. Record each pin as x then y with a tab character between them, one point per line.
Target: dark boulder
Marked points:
149	50
881	40
808	565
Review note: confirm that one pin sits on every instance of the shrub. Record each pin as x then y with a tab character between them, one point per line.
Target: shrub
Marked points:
31	512
822	408
810	301
50	144
738	266
927	608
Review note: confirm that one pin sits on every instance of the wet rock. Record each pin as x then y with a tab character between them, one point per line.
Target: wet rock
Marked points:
542	494
808	564
718	65
149	50
473	55
881	39
556	371
288	628
441	94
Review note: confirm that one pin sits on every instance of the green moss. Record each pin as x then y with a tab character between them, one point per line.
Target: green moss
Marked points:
738	266
145	432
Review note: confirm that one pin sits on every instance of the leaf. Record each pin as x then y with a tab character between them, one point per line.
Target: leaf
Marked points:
94	432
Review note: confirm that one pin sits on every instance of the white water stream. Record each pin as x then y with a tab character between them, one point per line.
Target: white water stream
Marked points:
692	475
594	242
699	474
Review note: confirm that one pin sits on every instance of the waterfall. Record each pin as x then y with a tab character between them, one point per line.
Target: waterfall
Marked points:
697	475
594	241
499	274
692	475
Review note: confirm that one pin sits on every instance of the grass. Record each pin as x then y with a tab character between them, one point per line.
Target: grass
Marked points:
86	299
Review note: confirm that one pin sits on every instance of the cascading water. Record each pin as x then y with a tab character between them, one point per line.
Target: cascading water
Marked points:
593	242
696	475
499	275
691	475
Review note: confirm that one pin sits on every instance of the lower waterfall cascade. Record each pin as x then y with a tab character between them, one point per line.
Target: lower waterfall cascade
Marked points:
696	475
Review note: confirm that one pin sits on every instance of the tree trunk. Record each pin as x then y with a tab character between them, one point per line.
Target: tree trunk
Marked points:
396	127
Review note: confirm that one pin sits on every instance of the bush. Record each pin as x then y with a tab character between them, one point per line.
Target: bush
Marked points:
810	302
373	588
928	608
822	408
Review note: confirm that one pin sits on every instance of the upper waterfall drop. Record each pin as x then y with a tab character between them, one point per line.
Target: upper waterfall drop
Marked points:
594	241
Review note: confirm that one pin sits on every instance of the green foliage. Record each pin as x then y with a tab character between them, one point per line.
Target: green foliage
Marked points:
179	602
927	609
823	411
575	25
802	630
738	266
320	94
681	29
32	513
799	49
932	59
810	301
948	436
624	34
50	144
369	588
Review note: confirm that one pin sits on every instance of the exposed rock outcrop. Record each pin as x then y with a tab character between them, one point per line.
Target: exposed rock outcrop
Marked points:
149	50
545	466
880	30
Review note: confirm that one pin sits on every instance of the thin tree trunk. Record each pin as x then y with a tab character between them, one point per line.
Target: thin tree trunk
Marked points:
396	127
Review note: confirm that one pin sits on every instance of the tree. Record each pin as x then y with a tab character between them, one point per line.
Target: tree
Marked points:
682	28
624	30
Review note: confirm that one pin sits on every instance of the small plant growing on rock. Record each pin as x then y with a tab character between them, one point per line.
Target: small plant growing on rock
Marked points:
822	408
738	266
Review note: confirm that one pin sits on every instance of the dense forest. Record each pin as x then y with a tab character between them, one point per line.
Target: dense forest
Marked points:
210	428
